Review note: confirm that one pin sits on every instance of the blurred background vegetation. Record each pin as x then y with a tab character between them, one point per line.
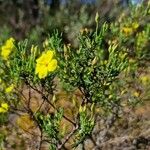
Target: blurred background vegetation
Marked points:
35	19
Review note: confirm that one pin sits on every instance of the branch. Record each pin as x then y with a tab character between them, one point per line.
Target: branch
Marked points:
47	100
67	138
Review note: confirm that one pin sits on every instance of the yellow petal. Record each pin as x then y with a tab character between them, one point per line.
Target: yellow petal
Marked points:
45	58
41	59
5	52
38	68
52	65
10	43
43	73
49	54
2	110
9	89
4	106
127	30
7	48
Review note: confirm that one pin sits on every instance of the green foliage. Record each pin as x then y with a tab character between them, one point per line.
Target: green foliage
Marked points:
3	118
87	67
50	124
2	137
95	64
86	125
4	33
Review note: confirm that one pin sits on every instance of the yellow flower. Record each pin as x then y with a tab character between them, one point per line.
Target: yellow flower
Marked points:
45	64
145	79
9	89
135	25
4	108
4	105
7	48
127	30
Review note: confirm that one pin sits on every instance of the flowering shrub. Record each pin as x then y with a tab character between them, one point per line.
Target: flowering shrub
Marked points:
85	69
92	69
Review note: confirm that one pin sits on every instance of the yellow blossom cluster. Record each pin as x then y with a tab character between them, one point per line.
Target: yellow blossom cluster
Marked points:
4	108
7	48
9	89
45	64
131	29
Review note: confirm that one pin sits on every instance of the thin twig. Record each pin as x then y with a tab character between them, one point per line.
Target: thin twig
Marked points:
29	99
40	106
41	140
47	100
67	138
24	99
